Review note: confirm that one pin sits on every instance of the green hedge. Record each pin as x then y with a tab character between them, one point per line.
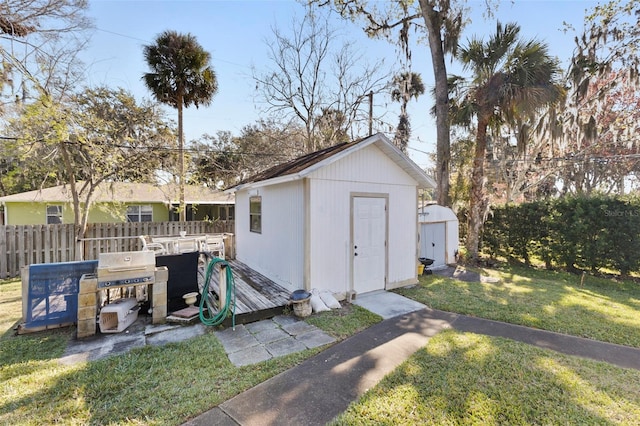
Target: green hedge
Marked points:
573	232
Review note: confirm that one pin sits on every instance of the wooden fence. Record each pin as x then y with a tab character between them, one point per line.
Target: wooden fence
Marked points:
22	245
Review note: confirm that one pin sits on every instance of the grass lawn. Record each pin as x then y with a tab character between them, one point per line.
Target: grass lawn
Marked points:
457	378
465	378
469	379
151	386
602	309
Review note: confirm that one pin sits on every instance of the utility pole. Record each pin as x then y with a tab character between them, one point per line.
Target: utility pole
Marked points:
370	112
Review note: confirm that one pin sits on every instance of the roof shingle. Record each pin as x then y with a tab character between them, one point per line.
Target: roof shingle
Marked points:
127	192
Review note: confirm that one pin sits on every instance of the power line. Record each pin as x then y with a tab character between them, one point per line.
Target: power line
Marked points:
216	59
573	158
567	158
420	151
122	35
161	148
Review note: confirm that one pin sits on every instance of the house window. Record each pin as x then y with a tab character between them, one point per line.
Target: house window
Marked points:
139	214
54	215
255	214
227	212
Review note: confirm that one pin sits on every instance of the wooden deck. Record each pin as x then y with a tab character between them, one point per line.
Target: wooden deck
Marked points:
257	297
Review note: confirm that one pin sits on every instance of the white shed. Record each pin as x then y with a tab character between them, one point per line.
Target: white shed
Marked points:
342	219
438	235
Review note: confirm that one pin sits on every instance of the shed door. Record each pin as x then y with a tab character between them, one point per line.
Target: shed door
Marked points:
369	244
433	242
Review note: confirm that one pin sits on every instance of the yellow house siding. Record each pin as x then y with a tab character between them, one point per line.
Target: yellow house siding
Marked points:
160	213
29	213
115	213
33	213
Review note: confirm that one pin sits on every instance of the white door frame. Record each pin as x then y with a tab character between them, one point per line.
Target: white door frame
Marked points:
352	250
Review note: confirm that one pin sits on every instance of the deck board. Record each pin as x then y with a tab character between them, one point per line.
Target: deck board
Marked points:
256	295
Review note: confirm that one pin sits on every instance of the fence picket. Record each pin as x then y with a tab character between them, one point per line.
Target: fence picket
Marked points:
22	245
12	247
3	249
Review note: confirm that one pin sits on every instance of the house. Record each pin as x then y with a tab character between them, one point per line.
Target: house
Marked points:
439	235
342	219
117	202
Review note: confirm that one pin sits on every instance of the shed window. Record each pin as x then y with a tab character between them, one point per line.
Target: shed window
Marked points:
139	214
54	214
255	214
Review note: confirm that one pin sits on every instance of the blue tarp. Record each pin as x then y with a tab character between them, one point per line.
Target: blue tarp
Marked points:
53	292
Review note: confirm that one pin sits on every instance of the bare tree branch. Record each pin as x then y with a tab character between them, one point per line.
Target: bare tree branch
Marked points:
310	81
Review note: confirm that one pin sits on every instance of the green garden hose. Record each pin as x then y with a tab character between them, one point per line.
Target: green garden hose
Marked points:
230	299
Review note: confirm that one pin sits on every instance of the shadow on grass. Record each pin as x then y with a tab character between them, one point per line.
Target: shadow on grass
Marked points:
26	356
463	378
333	379
601	310
16	299
40	346
150	385
10	332
137	387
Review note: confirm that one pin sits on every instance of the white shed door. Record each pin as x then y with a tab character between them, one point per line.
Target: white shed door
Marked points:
369	236
433	242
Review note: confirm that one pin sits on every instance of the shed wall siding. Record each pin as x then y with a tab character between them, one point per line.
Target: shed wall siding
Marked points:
330	247
330	233
278	251
369	165
403	237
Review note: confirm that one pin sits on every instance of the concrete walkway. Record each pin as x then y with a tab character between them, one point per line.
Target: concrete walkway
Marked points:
320	388
138	334
262	340
387	305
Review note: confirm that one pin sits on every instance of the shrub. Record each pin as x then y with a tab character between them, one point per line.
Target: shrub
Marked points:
572	232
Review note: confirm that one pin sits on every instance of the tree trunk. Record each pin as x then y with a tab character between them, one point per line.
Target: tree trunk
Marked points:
477	202
78	231
182	208
402	132
433	23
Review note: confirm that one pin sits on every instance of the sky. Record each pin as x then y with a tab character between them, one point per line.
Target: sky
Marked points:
235	32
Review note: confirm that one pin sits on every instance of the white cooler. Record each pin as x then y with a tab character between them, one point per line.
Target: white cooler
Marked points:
117	316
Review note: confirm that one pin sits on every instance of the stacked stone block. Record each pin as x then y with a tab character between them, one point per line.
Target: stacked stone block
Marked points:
88	301
87	306
159	296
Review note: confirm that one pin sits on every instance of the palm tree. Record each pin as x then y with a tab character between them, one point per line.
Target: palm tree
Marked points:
512	80
180	76
407	85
